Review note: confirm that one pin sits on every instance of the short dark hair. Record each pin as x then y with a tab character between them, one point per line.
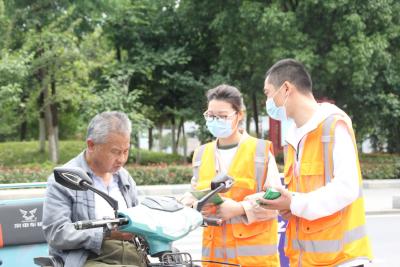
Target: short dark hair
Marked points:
227	93
292	71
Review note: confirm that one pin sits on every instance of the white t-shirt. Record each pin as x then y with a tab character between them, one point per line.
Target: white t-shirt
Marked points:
102	208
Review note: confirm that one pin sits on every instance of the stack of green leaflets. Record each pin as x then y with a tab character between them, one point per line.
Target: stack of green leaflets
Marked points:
216	199
270	194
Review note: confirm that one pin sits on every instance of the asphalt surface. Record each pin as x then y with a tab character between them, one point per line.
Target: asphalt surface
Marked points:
383	231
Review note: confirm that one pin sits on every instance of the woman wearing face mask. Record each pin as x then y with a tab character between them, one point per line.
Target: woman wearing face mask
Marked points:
248	235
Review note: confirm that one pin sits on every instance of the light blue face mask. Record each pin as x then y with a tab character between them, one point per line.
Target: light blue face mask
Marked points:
277	113
220	128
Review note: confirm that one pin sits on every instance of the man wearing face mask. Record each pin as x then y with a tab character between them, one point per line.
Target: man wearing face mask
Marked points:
324	202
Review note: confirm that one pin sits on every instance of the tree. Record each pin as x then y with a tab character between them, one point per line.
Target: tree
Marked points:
252	36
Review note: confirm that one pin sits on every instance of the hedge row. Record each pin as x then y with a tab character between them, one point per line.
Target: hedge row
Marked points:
21	163
176	174
160	174
20	153
380	166
143	175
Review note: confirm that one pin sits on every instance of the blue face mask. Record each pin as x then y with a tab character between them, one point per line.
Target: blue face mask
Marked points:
277	113
220	128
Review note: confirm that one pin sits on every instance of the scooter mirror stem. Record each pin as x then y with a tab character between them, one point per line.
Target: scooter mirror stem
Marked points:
113	203
204	200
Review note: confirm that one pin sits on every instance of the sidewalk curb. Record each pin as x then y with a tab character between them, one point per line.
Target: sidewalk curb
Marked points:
382	212
381	183
396	201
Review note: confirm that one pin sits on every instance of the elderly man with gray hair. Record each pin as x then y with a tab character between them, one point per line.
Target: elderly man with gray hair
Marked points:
108	143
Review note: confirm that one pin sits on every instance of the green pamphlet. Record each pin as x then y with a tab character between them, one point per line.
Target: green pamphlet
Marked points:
216	199
270	194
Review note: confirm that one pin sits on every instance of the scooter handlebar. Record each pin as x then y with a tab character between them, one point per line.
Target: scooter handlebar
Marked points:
209	221
82	225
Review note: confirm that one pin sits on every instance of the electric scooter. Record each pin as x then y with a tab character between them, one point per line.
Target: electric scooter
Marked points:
156	222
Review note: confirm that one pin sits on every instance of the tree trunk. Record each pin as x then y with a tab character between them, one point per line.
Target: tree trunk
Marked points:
150	138
137	143
255	113
118	54
42	133
160	130
42	125
248	120
46	108
184	144
173	130
24	126
54	113
49	124
181	122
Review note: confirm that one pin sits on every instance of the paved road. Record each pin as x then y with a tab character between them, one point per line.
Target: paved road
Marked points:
384	232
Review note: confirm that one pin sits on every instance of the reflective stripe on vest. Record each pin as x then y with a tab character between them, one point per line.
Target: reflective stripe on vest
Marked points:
259	162
256	250
234	241
327	140
197	162
330	246
327	242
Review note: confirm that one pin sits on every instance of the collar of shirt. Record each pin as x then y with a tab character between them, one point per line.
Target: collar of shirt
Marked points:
220	166
82	161
295	135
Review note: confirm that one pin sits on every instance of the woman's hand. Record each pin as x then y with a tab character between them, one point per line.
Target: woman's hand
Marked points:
188	200
229	209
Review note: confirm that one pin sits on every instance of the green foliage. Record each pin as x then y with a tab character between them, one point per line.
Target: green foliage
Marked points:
380	166
161	174
155	59
143	175
21	162
146	157
14	154
13	77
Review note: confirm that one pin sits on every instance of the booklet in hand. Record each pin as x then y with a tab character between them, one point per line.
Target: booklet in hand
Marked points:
216	199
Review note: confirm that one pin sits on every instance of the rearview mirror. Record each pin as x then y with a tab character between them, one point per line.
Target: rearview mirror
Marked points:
72	177
76	178
222	179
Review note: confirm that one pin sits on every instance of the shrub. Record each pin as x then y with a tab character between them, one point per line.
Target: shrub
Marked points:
146	157
20	162
160	174
380	166
143	175
25	174
20	153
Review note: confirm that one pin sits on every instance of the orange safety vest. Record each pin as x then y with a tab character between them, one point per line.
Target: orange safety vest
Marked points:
334	239
235	242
